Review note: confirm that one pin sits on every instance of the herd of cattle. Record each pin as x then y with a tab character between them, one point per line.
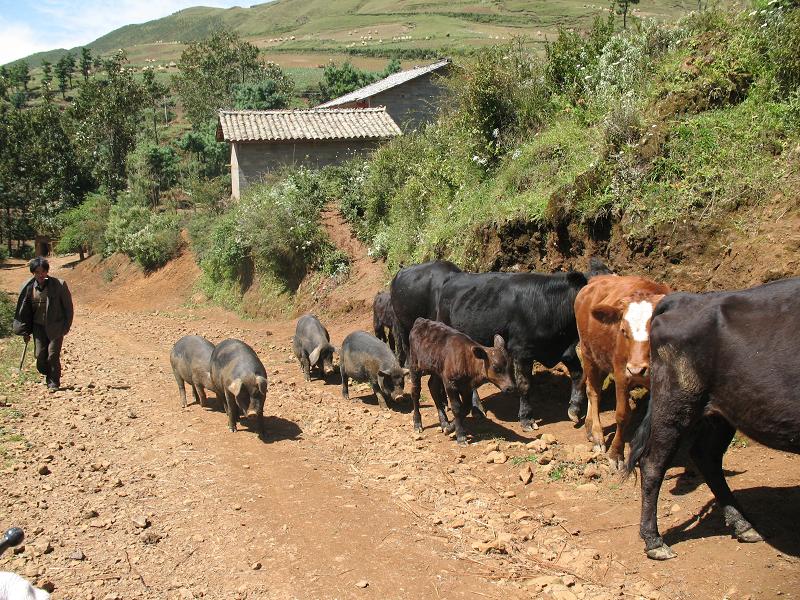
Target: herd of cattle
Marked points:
713	362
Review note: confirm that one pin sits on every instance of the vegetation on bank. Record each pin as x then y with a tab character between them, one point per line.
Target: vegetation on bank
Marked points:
648	126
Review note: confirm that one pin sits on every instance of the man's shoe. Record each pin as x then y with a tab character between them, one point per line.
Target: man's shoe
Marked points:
53	386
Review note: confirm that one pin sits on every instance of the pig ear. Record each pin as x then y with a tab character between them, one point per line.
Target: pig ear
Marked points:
235	387
262	384
605	313
499	342
383	373
314	356
480	352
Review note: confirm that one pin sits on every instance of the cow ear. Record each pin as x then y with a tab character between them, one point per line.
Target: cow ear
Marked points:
314	356
605	313
499	342
262	384
406	372
656	299
235	387
480	353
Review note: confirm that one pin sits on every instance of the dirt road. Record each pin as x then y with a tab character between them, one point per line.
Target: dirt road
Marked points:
123	494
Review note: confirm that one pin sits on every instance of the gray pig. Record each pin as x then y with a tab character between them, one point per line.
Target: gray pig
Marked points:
191	363
312	346
240	378
365	358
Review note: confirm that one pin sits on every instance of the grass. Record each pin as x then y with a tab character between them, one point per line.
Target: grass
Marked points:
12	383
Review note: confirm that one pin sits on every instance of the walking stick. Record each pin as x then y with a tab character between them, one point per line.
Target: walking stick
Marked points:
24	352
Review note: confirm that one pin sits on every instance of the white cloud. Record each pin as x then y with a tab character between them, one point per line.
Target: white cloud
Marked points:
18	40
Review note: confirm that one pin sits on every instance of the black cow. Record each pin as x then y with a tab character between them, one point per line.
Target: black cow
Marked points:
383	321
533	312
415	293
719	362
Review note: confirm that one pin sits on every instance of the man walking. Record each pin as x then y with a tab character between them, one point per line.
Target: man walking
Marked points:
44	311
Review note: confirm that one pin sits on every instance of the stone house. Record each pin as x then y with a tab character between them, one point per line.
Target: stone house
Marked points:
411	97
263	141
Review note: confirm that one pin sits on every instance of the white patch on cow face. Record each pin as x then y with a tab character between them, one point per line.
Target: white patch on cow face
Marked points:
637	316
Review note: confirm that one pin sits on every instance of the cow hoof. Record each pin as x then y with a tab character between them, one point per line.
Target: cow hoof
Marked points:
661	553
418	428
529	425
574	414
462	442
616	462
749	536
599	448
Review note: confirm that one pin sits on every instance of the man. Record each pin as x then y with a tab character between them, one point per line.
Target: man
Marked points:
44	311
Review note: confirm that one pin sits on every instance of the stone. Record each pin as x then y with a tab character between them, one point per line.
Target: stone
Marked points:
256	566
491	446
675	508
43	470
525	474
591	471
77	555
545	457
537	445
508	494
457	523
141	522
496	457
362	584
548	438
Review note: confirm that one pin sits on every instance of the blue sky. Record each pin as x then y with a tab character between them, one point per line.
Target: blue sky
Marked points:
32	26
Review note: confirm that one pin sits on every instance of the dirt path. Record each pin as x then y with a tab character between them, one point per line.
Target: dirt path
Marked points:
146	500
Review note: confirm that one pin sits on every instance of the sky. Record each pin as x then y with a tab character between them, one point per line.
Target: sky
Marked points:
28	26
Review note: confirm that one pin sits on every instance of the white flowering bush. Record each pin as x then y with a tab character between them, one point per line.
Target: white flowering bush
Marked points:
149	238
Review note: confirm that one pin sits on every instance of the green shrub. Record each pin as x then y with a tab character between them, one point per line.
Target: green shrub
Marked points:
3	253
149	238
83	228
7	309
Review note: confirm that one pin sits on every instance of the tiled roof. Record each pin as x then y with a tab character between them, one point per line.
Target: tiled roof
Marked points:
277	125
384	84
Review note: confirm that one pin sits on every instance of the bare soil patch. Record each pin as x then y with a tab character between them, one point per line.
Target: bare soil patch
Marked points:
145	500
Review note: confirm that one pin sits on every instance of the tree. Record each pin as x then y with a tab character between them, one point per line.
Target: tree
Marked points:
156	96
20	75
622	7
86	63
47	73
83	227
5	81
62	74
210	156
69	61
152	169
338	81
209	70
108	111
262	95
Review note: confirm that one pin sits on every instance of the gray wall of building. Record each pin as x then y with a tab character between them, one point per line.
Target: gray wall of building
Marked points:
251	161
412	103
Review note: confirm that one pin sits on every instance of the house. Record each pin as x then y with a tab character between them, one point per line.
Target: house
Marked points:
410	97
266	140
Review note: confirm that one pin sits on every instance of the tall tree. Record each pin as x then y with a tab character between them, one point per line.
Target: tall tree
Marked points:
47	73
20	74
62	74
622	7
209	70
86	63
108	111
69	61
156	95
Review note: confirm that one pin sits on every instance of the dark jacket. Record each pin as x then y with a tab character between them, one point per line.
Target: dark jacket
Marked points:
58	312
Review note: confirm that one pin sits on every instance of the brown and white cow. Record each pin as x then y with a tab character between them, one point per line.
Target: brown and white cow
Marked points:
613	315
456	365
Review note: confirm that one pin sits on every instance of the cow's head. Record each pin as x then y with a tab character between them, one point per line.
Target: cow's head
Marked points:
497	364
632	316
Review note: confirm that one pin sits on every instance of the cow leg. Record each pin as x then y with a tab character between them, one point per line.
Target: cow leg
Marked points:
616	453
594	387
181	389
201	393
577	398
345	384
416	388
458	414
436	388
478	411
524	378
390	340
402	345
713	438
379	396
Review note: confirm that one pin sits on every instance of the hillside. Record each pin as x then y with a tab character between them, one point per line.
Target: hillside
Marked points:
368	27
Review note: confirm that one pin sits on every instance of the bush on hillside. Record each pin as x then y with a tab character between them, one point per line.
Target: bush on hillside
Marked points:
7	310
83	228
149	238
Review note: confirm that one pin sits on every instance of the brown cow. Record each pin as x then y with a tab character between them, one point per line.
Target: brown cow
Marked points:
383	318
456	365
613	315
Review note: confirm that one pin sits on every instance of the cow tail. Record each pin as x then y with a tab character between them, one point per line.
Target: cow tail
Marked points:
640	441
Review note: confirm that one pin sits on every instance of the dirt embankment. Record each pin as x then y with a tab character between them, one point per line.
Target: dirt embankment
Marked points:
125	495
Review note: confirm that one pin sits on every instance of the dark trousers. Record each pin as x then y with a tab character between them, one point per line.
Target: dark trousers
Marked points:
48	354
